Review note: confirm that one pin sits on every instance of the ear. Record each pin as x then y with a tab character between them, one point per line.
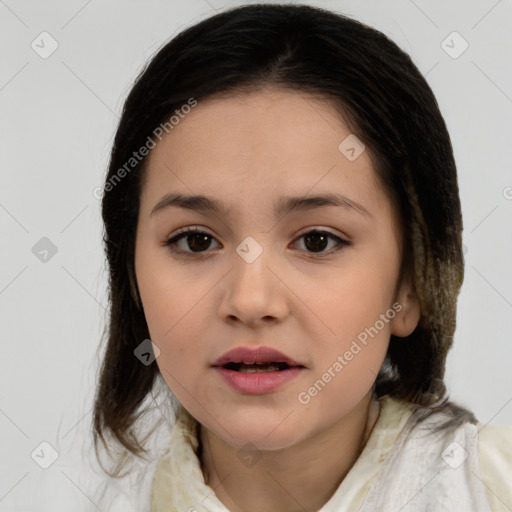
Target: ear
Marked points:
407	318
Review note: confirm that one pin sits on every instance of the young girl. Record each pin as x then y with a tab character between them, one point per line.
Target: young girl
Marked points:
283	234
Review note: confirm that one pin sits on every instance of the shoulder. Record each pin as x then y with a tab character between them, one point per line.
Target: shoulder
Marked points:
443	457
495	452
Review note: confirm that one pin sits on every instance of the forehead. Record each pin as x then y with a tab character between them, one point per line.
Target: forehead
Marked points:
244	148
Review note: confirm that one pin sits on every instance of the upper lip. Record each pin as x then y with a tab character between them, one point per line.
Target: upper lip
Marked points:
251	355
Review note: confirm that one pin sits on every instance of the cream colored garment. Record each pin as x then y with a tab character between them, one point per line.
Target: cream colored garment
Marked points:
398	465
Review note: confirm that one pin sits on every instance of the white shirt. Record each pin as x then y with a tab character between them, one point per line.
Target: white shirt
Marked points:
403	467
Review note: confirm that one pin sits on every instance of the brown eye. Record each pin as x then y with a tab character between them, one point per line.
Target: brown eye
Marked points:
198	242
317	241
194	241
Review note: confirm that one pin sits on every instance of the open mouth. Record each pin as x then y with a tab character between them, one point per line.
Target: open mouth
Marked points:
257	367
257	372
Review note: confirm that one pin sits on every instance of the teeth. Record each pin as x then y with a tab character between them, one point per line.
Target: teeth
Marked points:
256	367
264	367
260	364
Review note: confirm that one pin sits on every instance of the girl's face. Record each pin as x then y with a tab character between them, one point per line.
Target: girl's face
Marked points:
256	276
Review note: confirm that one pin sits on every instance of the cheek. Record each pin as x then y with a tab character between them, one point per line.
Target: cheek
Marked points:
175	323
355	309
351	298
172	301
170	292
176	327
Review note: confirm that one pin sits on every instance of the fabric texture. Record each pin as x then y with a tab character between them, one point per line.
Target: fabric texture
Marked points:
403	466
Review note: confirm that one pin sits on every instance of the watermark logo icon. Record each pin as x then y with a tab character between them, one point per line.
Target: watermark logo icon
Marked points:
44	455
146	352
454	455
454	45
249	455
44	45
351	147
44	250
249	249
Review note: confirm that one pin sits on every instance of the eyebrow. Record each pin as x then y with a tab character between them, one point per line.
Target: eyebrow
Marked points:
285	205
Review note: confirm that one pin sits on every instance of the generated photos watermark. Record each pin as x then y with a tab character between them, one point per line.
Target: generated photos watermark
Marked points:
304	397
144	150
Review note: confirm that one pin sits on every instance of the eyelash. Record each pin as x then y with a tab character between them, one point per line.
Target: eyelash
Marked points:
182	233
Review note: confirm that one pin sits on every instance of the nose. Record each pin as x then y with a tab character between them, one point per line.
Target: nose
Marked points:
253	293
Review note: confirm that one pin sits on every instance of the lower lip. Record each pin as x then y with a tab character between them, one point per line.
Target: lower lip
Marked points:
257	383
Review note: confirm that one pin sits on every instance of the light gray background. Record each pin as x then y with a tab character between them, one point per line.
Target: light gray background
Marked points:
58	117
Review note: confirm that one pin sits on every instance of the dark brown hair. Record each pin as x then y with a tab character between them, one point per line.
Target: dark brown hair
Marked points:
389	106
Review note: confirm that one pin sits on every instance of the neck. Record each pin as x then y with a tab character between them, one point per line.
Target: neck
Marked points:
300	477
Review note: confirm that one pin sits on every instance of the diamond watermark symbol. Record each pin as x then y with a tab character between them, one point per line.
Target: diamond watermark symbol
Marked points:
44	45
454	45
44	250
44	455
249	249
249	455
351	147
454	455
147	352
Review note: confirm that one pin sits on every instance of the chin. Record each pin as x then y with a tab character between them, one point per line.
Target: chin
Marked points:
265	433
